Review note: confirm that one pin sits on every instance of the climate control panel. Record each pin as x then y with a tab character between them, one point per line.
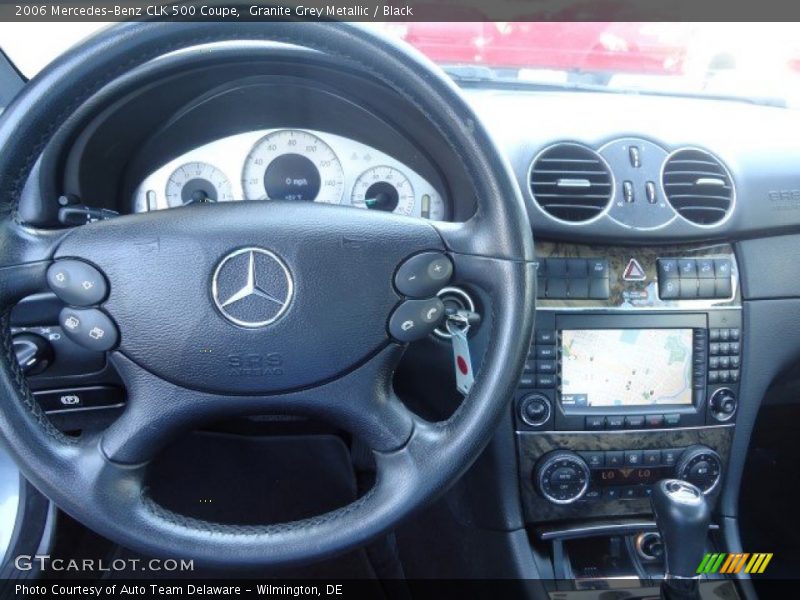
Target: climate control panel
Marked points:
565	476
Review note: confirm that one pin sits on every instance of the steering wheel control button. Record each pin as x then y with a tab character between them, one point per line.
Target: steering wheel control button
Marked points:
423	275
415	319
77	283
89	327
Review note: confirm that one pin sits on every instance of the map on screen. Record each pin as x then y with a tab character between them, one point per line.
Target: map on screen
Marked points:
626	367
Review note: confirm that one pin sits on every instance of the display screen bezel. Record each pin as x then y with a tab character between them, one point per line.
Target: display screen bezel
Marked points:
640	408
692	321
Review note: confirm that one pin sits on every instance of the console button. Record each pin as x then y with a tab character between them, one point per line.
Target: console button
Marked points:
672	420
598	268
535	410
734	375
714	349
734	334
546	366
556	288
724	362
724	376
652	458
593	459
563	475
706	288
614	458
545	337
713	362
654	421
713	335
595	423
724	335
76	282
611	493
713	377
687	267
669	289
734	348
650	192
633	458
85	397
735	362
667	268
546	352
577	267
578	288
634	421
527	381
705	268
725	348
688	288
556	267
723	288
599	289
615	422
89	327
627	191
546	381
593	494
722	268
422	275
635	156
629	492
669	456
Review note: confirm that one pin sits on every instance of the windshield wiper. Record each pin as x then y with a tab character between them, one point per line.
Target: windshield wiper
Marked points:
479	75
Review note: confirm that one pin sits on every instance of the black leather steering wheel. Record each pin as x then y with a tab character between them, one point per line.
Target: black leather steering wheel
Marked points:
337	358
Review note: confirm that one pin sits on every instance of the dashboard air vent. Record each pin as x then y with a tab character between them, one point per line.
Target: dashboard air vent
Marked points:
571	182
698	186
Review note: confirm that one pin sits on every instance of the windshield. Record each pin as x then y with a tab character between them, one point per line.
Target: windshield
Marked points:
750	61
757	62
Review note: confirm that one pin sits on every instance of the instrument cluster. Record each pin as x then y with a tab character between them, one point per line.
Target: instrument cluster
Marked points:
290	164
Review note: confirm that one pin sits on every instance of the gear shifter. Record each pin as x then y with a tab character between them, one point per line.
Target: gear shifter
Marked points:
682	516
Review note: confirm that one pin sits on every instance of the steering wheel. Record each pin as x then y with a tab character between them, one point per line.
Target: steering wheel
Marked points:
180	358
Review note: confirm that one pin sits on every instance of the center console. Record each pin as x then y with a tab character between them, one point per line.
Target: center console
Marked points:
632	378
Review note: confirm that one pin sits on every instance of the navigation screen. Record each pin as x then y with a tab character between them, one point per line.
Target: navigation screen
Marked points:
626	367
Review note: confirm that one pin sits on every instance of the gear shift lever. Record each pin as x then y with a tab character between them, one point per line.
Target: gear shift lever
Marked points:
682	516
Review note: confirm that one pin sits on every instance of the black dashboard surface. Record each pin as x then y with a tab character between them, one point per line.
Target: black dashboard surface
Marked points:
757	144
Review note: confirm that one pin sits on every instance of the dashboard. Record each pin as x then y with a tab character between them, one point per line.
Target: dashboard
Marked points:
302	165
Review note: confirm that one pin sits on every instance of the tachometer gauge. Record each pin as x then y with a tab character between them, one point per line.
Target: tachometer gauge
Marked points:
293	165
386	189
197	182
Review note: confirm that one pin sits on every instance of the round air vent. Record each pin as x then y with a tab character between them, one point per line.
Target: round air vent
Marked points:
571	182
698	186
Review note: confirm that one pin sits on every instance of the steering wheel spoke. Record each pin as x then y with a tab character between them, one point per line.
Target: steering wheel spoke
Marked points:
361	402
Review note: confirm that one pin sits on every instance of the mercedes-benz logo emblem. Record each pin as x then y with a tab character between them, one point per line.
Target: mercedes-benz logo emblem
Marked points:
252	287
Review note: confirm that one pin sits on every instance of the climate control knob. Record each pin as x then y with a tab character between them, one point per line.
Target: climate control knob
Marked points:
561	476
723	404
701	466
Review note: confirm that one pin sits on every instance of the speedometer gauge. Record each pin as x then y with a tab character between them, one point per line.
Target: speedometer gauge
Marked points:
293	165
386	189
197	182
